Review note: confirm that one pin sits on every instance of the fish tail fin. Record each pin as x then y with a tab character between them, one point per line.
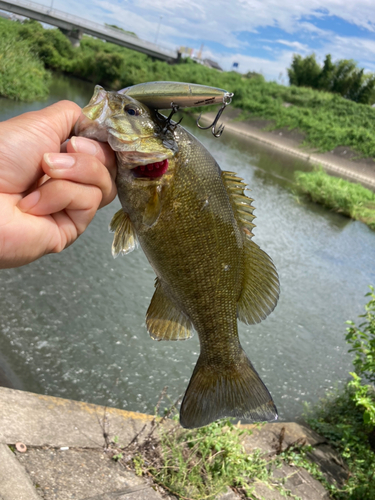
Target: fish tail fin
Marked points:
233	391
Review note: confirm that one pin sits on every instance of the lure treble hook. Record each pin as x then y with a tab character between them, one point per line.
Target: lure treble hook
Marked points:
168	121
227	99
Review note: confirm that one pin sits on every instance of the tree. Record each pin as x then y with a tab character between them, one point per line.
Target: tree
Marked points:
341	77
304	72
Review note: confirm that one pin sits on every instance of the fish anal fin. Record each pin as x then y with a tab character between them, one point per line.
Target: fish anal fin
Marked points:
216	392
260	290
164	321
125	238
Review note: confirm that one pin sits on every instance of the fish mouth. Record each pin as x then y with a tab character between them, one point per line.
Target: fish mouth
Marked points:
151	170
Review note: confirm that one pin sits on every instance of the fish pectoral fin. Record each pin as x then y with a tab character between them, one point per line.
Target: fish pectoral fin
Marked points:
164	321
125	238
260	290
217	392
153	207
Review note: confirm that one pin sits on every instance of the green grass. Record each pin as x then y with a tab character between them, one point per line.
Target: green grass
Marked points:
340	420
328	120
350	199
22	74
345	418
201	464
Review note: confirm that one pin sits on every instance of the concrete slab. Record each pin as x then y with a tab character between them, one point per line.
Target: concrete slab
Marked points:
334	164
301	483
82	474
39	420
14	481
277	436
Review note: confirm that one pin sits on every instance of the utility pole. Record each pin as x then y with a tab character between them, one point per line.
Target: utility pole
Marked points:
157	31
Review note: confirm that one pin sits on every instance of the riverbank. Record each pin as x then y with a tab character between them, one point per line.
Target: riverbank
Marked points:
70	448
341	162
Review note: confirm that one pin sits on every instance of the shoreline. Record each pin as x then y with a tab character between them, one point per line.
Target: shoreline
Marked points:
341	162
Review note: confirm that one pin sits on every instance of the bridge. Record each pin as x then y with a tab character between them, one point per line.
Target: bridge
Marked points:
73	27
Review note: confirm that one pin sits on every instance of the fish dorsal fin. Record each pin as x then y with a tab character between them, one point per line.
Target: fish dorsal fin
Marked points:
260	289
125	238
164	321
241	204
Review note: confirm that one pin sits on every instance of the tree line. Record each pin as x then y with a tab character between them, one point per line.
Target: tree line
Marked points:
342	77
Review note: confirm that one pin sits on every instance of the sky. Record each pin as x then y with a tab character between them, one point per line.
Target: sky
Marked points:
259	35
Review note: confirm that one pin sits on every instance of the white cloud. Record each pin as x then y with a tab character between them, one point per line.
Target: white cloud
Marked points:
300	47
219	23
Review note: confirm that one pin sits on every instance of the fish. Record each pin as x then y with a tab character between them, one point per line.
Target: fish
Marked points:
166	95
194	223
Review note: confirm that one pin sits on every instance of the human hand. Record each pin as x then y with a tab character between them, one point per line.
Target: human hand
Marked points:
49	191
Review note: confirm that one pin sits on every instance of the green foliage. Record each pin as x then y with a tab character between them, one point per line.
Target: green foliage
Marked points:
363	397
304	72
22	74
51	46
362	340
114	26
202	463
339	195
347	419
342	77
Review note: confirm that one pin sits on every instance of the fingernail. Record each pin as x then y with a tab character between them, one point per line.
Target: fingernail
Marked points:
59	160
82	145
29	201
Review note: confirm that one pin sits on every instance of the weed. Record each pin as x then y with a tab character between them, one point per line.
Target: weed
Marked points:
352	200
347	418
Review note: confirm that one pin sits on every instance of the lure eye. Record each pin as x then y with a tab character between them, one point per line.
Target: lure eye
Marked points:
131	110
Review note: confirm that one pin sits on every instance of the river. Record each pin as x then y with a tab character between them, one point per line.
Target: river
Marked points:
73	324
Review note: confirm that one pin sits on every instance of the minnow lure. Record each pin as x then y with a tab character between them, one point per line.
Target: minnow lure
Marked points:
176	95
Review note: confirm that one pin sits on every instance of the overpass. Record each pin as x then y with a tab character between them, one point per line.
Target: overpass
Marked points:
73	27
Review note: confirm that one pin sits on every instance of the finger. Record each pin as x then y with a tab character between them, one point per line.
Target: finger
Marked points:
78	201
24	139
83	169
100	150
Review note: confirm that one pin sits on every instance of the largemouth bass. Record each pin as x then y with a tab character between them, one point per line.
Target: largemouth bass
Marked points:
194	223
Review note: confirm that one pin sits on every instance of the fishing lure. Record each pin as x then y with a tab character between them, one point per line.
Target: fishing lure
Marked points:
176	95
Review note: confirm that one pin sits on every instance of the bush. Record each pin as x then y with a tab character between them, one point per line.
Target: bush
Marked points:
347	419
22	74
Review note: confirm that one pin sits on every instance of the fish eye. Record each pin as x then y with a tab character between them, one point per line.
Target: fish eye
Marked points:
132	110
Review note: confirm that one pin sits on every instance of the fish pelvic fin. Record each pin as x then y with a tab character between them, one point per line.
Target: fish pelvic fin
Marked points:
260	289
164	321
125	238
234	391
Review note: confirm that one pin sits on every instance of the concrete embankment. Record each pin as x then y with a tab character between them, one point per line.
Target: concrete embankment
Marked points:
66	455
341	162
